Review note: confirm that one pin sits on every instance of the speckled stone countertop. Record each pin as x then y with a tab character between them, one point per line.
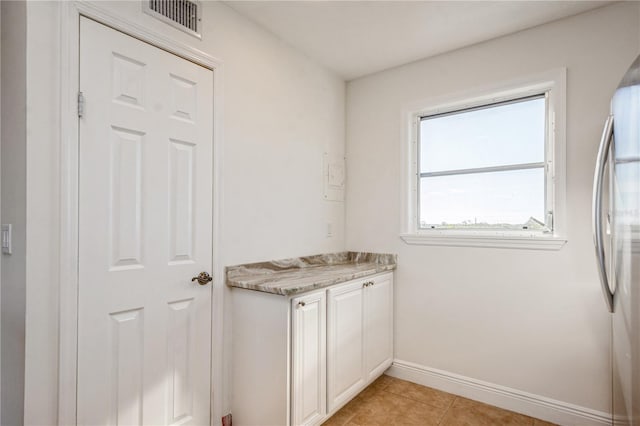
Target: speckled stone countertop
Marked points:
300	274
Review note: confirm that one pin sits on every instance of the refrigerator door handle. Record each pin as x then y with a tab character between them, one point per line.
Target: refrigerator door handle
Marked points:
596	218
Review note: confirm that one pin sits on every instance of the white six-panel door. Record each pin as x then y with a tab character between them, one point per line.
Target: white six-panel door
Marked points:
145	212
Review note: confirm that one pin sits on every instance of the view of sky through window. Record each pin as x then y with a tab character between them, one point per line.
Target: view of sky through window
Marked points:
459	185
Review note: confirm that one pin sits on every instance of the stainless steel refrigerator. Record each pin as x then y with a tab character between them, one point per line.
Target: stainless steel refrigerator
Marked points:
616	228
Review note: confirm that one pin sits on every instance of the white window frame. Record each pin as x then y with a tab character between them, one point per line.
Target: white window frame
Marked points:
553	84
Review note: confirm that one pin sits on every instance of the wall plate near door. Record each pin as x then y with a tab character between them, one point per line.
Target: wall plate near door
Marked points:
6	239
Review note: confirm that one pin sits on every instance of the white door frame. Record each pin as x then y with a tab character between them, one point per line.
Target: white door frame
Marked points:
70	13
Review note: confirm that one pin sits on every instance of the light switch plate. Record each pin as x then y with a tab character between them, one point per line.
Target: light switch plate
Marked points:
6	238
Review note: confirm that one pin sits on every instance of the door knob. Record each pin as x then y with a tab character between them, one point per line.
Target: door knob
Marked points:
203	278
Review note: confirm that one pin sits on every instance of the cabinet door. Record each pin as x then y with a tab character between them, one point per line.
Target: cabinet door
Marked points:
345	342
308	393
378	325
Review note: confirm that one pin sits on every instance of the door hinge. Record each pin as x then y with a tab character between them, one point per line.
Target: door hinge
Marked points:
80	105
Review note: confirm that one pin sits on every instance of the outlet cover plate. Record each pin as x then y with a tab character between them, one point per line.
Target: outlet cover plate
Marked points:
6	238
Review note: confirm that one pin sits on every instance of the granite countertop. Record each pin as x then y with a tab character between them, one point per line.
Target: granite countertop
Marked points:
297	275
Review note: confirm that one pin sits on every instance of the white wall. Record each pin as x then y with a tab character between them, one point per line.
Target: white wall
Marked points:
42	214
280	112
0	210
13	183
534	321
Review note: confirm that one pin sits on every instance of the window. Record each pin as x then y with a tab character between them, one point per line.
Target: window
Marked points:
484	167
489	170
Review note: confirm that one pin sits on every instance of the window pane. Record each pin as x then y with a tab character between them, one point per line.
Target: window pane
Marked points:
508	199
511	133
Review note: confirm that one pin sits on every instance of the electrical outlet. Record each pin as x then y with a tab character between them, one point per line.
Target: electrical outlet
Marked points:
329	229
6	238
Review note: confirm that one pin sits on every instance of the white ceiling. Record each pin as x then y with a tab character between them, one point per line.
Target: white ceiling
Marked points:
355	38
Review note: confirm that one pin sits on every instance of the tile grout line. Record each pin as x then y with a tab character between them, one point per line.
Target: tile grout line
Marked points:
447	410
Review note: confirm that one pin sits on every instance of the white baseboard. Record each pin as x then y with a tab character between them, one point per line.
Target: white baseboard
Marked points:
532	405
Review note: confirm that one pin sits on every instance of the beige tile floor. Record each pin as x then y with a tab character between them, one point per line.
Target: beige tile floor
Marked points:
391	401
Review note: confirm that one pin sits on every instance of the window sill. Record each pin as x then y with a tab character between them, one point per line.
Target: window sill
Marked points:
498	241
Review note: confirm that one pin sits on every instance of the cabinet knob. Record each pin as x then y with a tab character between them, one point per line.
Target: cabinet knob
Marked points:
301	304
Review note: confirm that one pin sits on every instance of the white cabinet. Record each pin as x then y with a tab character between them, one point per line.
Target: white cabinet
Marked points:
359	336
308	372
345	342
378	325
297	360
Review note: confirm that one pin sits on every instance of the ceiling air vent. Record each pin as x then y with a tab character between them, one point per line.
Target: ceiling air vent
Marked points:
182	14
